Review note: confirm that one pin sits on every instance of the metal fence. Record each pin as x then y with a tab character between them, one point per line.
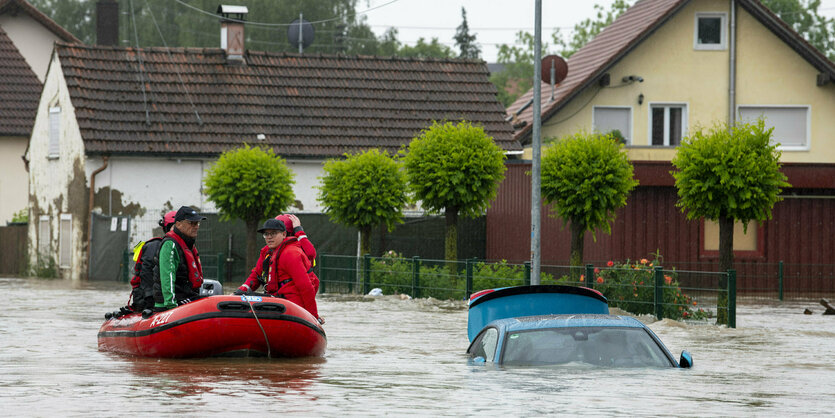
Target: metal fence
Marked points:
637	288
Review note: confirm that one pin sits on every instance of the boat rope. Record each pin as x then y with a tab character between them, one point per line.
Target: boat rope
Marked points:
252	308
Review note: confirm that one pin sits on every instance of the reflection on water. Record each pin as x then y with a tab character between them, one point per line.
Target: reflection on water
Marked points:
391	357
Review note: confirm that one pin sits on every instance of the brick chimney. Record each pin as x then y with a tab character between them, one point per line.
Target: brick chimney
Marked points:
107	23
232	32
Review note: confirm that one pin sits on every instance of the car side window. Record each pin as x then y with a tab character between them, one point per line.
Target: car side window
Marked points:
485	345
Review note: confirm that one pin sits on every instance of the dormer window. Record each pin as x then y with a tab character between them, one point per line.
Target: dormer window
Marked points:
710	32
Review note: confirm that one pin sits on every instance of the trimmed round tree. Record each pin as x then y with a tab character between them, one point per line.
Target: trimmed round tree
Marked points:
252	184
587	178
364	190
455	168
729	175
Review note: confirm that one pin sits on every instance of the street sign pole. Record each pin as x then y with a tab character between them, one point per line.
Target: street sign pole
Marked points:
536	191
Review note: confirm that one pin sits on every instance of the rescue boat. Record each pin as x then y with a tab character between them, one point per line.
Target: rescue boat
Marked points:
246	325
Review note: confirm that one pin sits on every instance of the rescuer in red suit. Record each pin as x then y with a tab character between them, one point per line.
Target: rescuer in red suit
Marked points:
283	268
292	223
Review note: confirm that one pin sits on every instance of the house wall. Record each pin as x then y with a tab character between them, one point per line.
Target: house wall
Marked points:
58	185
769	72
33	40
145	187
14	181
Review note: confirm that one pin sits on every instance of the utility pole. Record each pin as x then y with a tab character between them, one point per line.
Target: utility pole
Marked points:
536	191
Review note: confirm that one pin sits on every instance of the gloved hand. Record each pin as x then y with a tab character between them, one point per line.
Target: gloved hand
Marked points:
240	291
321	320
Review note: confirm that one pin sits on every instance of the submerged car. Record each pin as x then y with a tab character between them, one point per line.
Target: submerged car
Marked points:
560	325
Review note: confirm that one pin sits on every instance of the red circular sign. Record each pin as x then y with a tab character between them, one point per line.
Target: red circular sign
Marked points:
558	64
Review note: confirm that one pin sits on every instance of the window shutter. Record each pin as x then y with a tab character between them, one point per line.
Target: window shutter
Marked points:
43	236
64	254
54	132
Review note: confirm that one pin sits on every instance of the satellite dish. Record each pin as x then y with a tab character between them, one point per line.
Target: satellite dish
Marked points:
300	38
555	63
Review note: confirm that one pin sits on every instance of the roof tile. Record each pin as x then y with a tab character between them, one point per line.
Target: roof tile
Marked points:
305	105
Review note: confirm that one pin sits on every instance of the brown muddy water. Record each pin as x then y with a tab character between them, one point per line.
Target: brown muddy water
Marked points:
388	356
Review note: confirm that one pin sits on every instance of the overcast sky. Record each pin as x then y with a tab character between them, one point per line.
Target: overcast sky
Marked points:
493	21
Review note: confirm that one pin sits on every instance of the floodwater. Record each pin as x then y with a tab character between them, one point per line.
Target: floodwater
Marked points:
388	356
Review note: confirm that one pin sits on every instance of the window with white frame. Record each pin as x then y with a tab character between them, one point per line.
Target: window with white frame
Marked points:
43	236
710	32
790	123
65	241
606	119
54	132
668	124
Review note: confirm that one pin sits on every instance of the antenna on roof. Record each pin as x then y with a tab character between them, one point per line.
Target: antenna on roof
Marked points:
141	66
300	33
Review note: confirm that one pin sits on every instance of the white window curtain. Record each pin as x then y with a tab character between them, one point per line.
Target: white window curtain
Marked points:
607	119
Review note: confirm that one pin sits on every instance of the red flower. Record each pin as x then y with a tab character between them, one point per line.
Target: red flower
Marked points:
610	263
668	279
599	280
596	271
685	314
695	303
582	277
644	261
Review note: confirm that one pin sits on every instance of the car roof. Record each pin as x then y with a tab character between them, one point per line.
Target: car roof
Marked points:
565	321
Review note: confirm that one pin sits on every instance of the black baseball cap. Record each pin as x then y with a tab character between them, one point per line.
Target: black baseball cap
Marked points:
186	213
273	224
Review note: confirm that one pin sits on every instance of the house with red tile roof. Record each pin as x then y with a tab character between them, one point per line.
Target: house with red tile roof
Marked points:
26	38
661	70
130	132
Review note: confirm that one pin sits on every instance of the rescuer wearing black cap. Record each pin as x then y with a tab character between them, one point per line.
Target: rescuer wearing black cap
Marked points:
283	269
178	274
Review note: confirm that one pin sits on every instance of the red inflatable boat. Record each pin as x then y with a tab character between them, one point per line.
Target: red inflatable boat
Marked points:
218	326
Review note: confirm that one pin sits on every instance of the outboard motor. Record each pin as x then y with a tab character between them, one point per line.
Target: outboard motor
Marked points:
211	288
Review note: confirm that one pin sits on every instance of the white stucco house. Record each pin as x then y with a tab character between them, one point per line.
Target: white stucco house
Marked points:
26	40
131	132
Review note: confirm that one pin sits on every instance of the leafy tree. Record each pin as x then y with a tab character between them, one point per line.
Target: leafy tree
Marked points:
727	175
587	178
250	184
465	41
364	190
455	168
803	17
517	76
422	49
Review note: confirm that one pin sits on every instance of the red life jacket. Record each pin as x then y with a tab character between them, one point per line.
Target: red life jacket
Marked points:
195	270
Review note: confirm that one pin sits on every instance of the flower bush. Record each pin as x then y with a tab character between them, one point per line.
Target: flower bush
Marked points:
630	285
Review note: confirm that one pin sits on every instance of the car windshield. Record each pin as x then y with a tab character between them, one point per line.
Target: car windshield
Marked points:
599	346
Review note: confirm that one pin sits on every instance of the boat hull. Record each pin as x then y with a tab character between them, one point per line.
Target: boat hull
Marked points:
218	326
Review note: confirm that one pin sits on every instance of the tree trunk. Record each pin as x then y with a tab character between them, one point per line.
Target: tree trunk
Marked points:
578	235
253	240
365	240
451	242
726	243
726	261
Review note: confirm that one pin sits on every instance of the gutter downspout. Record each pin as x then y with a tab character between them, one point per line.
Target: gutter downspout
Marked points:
90	208
732	68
